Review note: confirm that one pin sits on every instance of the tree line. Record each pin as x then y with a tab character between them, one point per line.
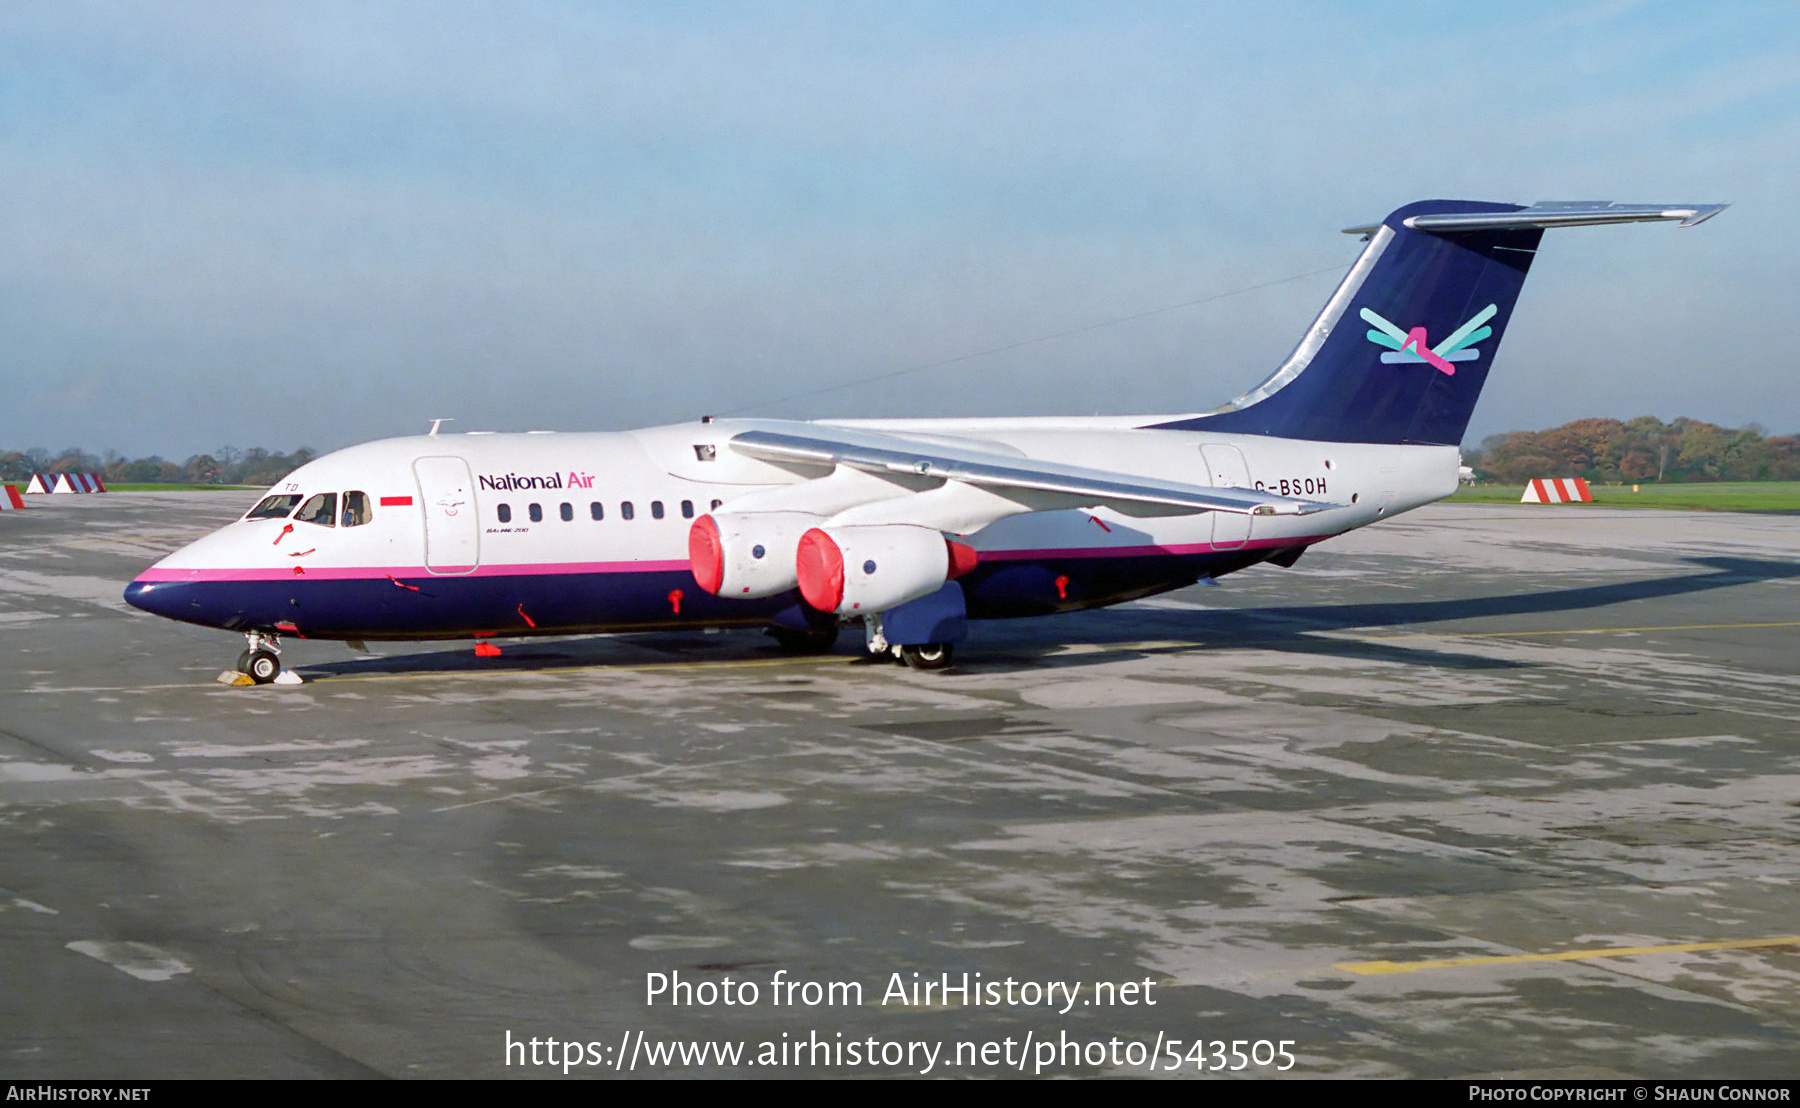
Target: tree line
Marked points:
1637	451
229	466
1631	451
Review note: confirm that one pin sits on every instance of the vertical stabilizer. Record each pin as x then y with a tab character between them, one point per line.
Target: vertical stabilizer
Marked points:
1403	347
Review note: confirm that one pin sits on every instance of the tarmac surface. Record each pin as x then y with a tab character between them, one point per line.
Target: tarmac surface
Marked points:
1480	791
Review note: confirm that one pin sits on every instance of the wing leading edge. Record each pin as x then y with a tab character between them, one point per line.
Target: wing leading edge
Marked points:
1076	486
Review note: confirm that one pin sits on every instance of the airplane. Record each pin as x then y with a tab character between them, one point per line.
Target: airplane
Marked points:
910	527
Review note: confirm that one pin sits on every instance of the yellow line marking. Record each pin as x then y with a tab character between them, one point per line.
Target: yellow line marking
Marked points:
1577	631
1371	968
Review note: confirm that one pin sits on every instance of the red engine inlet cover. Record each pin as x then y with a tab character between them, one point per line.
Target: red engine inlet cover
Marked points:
706	553
820	566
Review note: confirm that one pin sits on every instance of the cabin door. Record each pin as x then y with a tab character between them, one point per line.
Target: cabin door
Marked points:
452	529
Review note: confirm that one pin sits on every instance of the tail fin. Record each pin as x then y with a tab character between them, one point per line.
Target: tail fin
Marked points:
1402	348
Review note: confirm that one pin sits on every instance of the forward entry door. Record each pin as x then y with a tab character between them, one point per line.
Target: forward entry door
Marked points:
452	530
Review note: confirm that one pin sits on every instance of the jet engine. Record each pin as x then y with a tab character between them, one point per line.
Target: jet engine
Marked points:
746	555
863	569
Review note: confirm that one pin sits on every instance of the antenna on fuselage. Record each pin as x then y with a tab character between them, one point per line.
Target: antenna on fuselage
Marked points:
438	422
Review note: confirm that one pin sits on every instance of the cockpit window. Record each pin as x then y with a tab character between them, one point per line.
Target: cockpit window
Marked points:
275	507
356	509
319	509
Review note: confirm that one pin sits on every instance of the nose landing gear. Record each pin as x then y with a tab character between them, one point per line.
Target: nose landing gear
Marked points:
261	662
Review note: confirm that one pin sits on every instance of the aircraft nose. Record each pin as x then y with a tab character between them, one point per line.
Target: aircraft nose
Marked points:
187	601
163	598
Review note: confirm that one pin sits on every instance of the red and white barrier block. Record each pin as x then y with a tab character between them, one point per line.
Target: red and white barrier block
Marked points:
10	498
78	482
40	482
1558	490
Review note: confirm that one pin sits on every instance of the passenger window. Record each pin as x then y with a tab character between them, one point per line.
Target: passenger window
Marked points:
687	509
356	509
504	513
596	510
716	504
626	511
656	509
274	507
320	510
567	512
537	513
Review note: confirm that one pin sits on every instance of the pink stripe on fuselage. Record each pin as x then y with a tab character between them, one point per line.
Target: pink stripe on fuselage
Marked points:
157	575
348	573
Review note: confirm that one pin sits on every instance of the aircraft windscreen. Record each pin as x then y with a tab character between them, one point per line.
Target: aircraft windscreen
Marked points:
274	507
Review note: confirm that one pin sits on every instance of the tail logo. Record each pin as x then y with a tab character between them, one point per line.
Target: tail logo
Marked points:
1410	346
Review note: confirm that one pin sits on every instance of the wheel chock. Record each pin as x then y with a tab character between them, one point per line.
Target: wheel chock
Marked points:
233	677
288	677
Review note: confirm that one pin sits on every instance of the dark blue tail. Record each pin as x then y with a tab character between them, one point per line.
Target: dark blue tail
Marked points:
1403	347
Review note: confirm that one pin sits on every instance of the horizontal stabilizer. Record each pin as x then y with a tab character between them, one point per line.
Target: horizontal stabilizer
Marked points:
878	453
1565	213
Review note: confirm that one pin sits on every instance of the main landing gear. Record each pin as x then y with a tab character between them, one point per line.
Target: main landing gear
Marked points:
262	661
928	655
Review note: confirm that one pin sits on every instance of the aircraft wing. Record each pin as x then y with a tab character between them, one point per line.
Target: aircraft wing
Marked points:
1071	486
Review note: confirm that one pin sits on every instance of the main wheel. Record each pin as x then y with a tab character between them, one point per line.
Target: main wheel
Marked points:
803	642
261	666
931	655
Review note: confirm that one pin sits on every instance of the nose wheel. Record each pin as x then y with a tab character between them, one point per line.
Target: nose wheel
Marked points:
262	661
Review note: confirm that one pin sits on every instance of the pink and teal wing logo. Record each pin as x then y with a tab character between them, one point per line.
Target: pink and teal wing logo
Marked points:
1411	346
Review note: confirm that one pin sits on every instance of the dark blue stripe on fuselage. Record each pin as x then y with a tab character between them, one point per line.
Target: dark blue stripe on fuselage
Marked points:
456	607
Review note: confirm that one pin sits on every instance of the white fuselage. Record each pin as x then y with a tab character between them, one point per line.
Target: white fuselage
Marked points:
489	534
651	484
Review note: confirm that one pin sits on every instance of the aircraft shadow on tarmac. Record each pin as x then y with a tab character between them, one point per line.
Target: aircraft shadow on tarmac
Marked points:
1119	633
1297	629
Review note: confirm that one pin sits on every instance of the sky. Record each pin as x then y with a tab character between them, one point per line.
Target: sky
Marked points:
288	224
